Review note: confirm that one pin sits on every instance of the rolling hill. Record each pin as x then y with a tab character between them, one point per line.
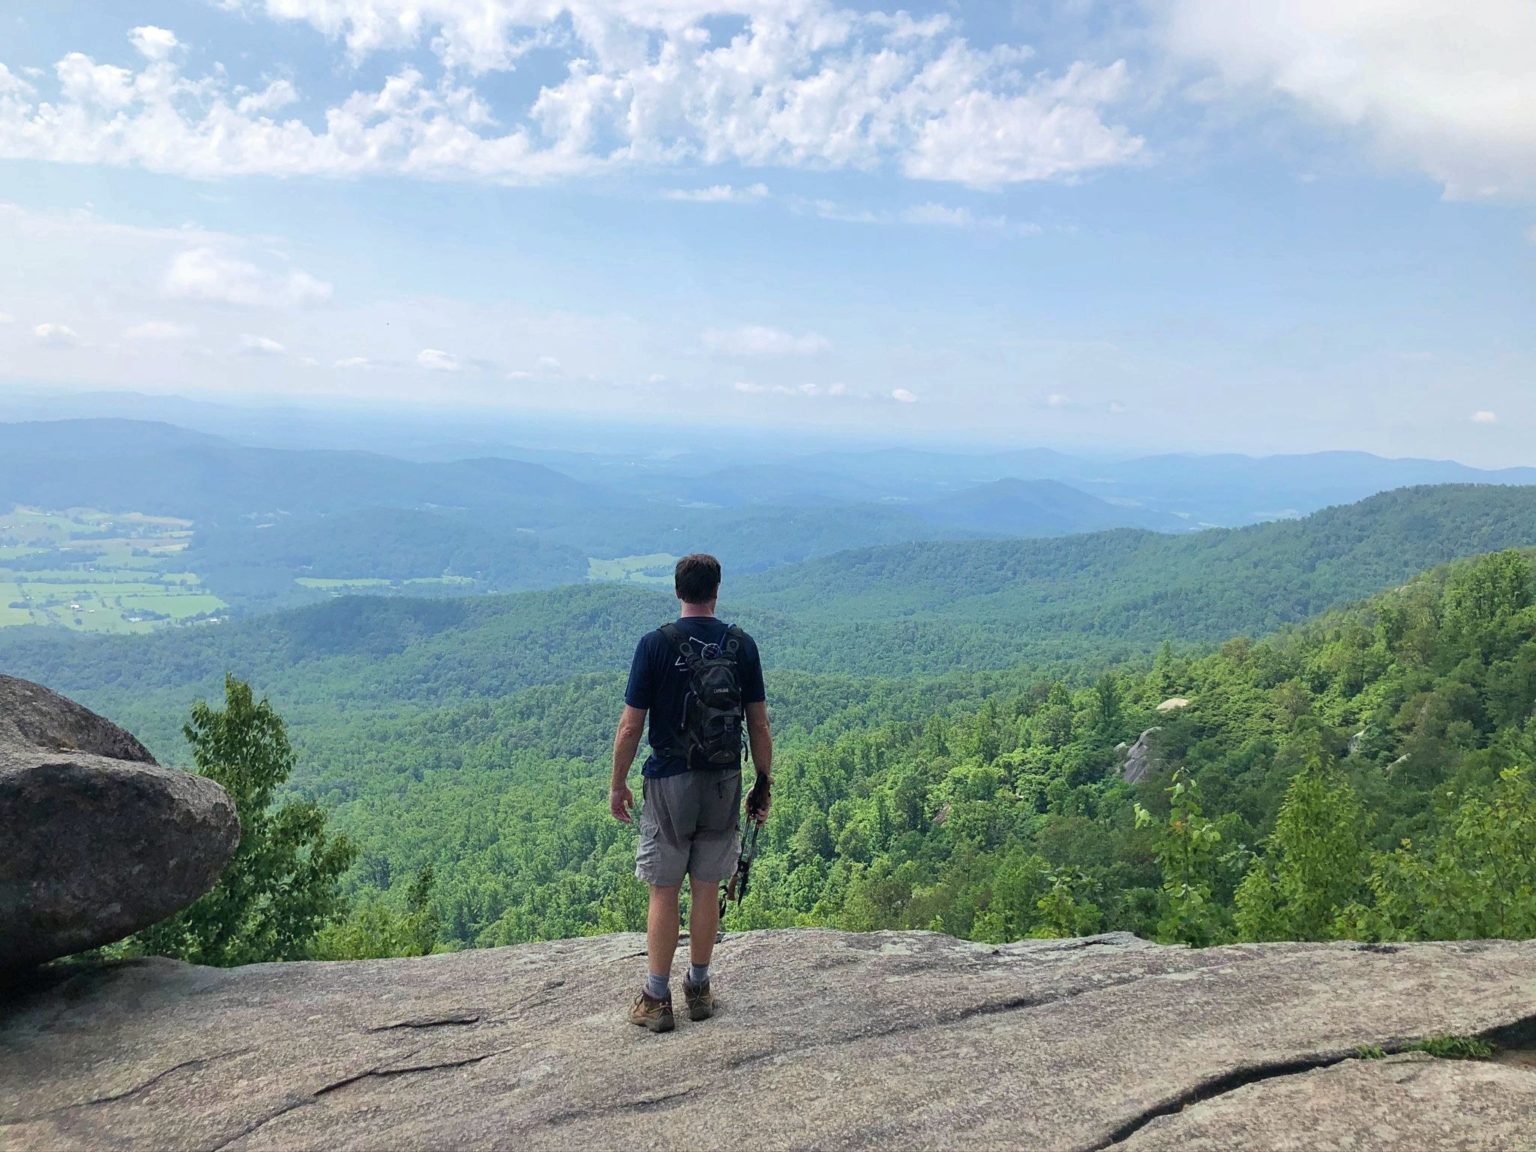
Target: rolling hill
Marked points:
275	527
924	610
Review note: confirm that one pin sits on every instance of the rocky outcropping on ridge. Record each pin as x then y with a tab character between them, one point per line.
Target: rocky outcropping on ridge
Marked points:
825	1040
96	839
1139	758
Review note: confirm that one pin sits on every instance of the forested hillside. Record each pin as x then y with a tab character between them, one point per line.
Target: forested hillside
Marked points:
1393	734
911	610
1200	587
953	720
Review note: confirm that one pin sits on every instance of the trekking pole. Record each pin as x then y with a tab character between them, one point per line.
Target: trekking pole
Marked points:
737	888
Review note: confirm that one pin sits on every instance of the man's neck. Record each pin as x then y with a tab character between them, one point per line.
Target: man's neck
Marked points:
697	610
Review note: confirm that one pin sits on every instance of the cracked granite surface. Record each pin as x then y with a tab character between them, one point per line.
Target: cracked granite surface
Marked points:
825	1040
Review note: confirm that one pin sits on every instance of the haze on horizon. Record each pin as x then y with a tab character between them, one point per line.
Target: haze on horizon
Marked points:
1174	225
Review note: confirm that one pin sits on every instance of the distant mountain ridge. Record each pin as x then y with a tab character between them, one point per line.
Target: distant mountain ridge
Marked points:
1014	507
267	518
125	465
1225	489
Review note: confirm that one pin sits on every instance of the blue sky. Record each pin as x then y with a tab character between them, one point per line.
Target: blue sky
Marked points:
1179	224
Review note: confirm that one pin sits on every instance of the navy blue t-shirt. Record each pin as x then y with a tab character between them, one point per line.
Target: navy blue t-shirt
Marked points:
658	683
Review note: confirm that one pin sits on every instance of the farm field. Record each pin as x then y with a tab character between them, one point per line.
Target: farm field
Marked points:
655	568
328	584
97	572
342	585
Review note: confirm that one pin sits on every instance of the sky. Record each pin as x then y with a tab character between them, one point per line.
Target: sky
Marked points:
1239	225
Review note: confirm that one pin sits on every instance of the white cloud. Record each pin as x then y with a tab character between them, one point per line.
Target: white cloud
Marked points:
14	86
154	43
803	84
56	336
1116	408
843	214
1051	130
904	396
549	365
274	97
160	330
97	91
45	257
718	194
209	275
940	215
353	362
810	388
436	360
1485	417
929	214
1056	400
259	346
760	340
1438	85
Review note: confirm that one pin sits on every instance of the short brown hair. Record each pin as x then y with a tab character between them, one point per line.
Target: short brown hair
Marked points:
697	578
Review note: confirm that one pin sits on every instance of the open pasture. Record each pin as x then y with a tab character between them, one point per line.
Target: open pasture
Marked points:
654	568
94	571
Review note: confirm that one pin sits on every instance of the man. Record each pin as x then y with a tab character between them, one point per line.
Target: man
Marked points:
690	821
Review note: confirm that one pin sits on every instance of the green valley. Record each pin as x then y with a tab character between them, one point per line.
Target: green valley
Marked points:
914	610
954	721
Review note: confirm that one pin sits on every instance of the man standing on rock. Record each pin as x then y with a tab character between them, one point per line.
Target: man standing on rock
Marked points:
701	681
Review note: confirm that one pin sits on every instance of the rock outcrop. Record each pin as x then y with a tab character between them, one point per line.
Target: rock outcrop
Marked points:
1139	759
825	1040
96	839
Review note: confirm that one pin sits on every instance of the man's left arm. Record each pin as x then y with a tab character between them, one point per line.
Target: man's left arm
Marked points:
759	736
626	745
760	740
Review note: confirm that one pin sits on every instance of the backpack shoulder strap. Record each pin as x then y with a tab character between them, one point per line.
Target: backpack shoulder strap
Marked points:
735	642
682	643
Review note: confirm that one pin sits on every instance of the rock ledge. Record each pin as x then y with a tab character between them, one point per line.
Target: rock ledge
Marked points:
825	1040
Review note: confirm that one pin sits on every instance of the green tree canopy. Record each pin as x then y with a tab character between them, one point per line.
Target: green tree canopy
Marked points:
283	884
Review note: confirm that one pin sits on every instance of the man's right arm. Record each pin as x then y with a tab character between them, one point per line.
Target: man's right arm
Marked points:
626	743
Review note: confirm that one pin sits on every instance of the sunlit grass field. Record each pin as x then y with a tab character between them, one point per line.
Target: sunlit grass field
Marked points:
655	568
95	571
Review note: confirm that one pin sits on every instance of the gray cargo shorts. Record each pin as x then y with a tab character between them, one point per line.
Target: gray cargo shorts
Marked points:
689	823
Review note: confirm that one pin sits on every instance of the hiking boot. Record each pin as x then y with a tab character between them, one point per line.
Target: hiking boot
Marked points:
654	1014
701	1001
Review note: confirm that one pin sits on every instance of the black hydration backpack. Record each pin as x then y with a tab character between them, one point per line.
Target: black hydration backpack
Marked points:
710	734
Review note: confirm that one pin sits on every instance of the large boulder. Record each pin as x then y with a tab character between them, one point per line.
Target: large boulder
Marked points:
824	1040
96	839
